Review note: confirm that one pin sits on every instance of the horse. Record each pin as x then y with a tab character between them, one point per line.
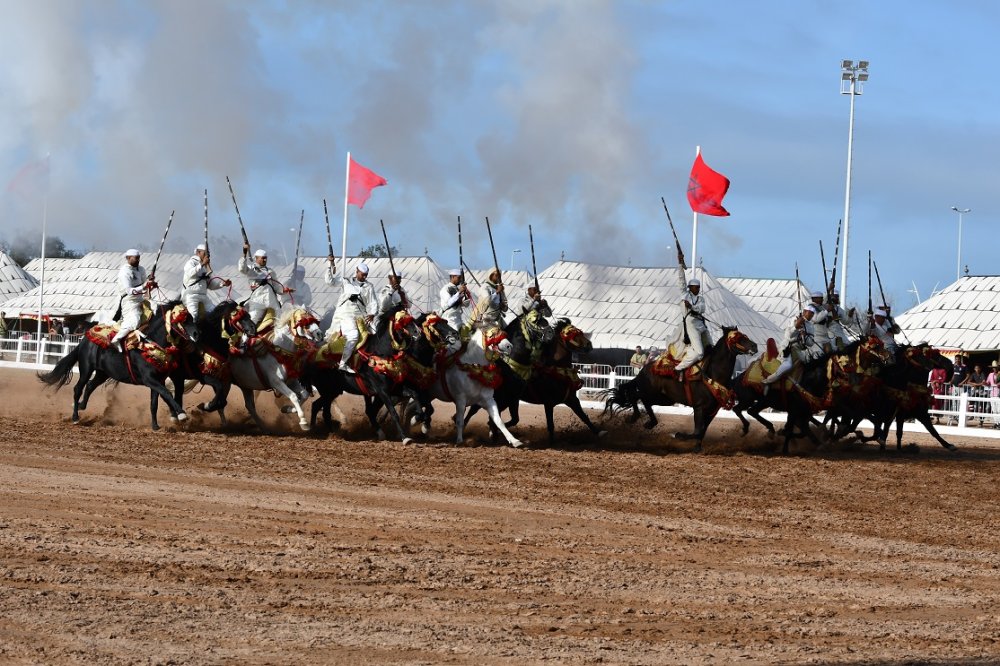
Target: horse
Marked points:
208	362
149	357
470	375
704	387
904	394
382	366
274	362
551	381
855	359
843	382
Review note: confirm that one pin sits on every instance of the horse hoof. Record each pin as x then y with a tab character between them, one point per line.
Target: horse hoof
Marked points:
304	425
518	444
155	428
425	429
335	426
649	425
182	417
173	419
602	433
407	440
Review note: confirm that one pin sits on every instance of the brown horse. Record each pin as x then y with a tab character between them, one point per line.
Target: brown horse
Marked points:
705	387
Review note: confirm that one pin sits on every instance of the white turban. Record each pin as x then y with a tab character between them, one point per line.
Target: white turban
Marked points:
260	253
880	313
201	247
455	272
363	267
816	294
399	275
132	253
694	283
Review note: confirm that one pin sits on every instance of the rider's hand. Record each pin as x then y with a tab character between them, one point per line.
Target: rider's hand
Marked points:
246	249
499	288
227	283
369	318
287	290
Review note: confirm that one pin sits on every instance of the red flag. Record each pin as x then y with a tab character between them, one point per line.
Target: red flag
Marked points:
360	183
706	188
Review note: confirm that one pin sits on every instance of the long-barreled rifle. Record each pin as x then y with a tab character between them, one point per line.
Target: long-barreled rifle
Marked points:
681	264
298	243
893	326
206	223
534	268
870	311
243	230
822	258
152	272
836	253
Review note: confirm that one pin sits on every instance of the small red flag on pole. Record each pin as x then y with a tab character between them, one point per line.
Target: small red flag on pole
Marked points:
706	188
360	183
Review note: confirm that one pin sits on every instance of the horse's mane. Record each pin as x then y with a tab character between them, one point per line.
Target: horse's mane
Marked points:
286	318
216	314
163	308
386	318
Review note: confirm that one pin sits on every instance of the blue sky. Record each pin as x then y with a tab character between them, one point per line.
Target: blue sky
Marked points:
574	117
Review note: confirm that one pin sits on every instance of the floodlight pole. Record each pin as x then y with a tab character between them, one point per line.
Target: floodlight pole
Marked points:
856	75
961	212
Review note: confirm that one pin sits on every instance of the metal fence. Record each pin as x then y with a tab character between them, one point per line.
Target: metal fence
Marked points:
23	347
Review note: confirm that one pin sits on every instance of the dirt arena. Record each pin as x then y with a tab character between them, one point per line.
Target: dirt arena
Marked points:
191	546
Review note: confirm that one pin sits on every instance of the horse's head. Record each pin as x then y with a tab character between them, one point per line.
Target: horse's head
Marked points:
495	341
738	342
536	328
238	320
179	324
302	324
872	352
572	337
438	333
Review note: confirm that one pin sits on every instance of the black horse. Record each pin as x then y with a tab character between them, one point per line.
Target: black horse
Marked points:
904	394
208	361
149	365
377	373
551	380
706	393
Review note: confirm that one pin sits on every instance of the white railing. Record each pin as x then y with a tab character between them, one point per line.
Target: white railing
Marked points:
20	349
971	409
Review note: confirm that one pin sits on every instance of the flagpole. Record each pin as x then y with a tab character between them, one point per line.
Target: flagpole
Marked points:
343	247
694	242
41	281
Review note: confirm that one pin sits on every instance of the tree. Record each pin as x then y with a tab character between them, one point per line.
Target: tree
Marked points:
378	251
24	248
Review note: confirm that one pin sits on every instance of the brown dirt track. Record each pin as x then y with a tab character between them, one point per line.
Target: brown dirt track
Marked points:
120	545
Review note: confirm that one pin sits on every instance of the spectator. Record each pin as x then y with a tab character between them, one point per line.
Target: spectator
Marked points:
938	379
3	325
993	382
638	359
975	382
958	377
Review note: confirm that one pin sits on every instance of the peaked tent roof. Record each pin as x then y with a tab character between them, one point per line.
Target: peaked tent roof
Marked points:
965	316
773	298
14	280
621	307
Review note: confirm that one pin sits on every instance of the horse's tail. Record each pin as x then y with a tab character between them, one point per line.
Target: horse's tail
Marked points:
60	375
620	397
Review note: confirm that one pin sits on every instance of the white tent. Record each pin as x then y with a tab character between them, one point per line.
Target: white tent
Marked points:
963	316
621	307
14	280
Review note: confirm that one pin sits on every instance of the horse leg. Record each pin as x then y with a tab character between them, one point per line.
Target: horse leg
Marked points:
158	386
494	412
925	420
754	411
573	402
550	423
154	400
371	411
383	395
251	406
339	417
459	418
99	378
650	417
473	409
286	390
515	417
79	404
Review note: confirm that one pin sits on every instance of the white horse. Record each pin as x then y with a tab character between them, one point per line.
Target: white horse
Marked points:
293	335
459	384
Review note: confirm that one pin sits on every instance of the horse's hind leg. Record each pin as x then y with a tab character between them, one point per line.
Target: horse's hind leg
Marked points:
494	412
154	400
287	391
99	378
574	404
251	406
650	417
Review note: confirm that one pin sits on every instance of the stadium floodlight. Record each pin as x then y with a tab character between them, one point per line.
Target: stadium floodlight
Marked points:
961	212
851	83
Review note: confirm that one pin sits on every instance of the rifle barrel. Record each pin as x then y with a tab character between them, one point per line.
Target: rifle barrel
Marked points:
238	216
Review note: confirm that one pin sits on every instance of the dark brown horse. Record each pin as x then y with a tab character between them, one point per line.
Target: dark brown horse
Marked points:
706	386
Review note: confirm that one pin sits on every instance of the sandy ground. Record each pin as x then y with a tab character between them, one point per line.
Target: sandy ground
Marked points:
189	546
